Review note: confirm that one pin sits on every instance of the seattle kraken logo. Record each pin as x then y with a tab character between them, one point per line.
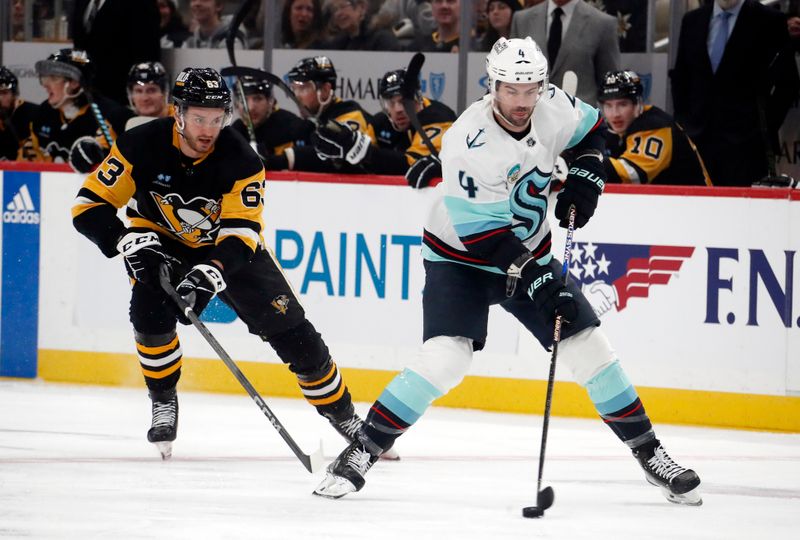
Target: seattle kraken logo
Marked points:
529	203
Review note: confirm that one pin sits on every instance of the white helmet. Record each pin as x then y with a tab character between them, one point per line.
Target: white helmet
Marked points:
516	61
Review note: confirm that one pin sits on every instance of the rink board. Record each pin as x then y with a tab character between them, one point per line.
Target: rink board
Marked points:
703	310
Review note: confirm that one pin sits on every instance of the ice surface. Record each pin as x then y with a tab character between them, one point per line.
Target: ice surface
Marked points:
74	463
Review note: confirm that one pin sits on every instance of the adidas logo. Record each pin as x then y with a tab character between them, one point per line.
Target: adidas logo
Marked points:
21	209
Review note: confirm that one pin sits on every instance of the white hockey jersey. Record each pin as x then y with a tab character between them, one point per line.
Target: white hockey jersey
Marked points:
492	182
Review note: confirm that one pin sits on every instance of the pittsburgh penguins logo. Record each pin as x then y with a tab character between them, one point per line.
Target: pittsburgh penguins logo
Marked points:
281	304
195	221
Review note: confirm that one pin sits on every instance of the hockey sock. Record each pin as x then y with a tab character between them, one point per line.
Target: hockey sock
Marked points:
619	406
161	358
401	404
325	390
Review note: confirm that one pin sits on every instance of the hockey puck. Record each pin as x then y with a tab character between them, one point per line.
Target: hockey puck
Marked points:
532	512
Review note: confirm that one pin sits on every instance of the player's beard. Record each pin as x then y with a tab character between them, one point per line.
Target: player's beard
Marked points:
201	146
516	116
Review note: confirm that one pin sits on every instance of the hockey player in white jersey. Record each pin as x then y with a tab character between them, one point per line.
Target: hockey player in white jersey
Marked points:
487	241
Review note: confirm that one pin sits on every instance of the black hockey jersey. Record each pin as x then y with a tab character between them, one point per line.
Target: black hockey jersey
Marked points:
435	118
52	134
204	208
15	130
279	131
655	150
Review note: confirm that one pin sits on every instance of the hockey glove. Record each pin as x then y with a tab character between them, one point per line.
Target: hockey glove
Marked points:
143	255
585	182
198	287
425	169
550	296
335	140
85	154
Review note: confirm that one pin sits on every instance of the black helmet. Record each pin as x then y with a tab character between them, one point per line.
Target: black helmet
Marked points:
621	85
201	87
8	81
391	84
254	85
318	69
148	72
69	63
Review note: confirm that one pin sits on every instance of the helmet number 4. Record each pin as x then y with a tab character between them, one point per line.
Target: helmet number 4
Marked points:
468	183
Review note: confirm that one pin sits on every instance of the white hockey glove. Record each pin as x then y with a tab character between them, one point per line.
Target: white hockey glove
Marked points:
335	140
425	169
143	255
85	154
198	287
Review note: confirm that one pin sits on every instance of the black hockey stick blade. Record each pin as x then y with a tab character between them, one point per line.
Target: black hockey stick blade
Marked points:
233	29
312	462
412	74
544	500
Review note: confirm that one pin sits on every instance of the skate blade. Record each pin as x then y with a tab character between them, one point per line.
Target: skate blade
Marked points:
390	455
334	487
165	449
690	498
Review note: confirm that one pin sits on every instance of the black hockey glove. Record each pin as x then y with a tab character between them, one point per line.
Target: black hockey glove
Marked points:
335	140
425	169
198	287
85	154
549	294
585	182
143	255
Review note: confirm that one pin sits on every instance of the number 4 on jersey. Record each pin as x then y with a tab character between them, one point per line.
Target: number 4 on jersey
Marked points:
468	183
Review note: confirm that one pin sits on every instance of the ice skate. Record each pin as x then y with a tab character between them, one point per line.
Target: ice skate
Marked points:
348	425
346	473
164	428
678	484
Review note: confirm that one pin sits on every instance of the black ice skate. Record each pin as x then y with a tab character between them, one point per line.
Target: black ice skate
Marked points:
678	484
346	473
165	421
348	425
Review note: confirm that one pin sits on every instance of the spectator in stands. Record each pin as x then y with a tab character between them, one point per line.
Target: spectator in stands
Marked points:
405	18
574	36
65	126
274	129
116	34
301	24
211	27
16	115
344	129
17	20
172	30
734	119
352	32
499	14
401	148
644	144
445	37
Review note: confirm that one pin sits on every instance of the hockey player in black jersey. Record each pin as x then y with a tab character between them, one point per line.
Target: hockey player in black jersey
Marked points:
275	129
643	143
16	115
65	120
148	93
344	130
408	153
194	192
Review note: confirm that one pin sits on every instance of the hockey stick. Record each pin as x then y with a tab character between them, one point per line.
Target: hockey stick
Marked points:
545	497
274	80
98	116
408	92
230	41
312	462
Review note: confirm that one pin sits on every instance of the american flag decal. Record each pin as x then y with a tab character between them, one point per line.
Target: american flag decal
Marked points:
611	274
